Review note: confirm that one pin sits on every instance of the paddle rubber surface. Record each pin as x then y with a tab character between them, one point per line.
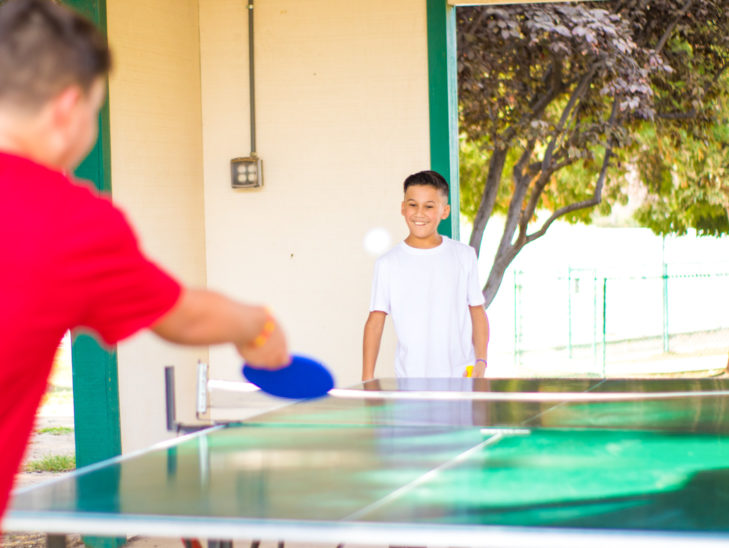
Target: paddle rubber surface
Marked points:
304	378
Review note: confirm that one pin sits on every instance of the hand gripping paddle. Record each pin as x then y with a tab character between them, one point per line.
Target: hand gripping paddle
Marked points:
303	378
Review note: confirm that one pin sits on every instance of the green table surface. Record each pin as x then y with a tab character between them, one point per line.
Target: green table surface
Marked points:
419	471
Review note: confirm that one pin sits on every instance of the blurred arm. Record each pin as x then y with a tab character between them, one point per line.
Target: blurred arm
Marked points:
202	317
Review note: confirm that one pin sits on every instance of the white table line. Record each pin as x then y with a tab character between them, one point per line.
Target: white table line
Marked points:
520	396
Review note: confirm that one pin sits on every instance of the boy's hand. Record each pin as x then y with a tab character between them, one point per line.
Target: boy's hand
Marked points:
475	371
479	370
268	350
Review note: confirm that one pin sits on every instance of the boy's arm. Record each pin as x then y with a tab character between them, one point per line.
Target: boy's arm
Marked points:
371	343
202	317
480	323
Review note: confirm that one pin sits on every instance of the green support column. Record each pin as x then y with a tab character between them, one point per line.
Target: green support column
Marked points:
443	101
95	401
95	381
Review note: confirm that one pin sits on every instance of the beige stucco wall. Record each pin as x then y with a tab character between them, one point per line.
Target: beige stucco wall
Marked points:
342	115
157	175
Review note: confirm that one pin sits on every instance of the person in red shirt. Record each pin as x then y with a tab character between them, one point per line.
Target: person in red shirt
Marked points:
68	257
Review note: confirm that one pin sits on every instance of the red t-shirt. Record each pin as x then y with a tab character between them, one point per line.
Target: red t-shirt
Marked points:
68	258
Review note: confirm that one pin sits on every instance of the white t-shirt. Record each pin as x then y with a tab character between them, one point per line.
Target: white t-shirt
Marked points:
427	293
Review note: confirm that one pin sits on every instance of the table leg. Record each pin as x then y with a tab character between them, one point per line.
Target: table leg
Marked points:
56	541
220	544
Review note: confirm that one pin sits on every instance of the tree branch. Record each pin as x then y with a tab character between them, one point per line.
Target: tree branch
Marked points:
596	196
538	104
546	169
498	158
521	185
666	35
576	96
565	163
488	198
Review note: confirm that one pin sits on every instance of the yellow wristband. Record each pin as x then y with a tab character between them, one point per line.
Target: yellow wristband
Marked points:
269	327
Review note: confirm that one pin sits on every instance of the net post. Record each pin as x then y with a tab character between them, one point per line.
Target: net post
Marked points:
170	398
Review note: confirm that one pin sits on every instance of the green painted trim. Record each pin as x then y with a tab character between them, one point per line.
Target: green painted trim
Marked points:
104	122
95	401
443	104
96	384
95	414
95	369
97	426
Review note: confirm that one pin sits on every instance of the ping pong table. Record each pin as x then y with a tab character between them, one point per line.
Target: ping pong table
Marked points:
426	462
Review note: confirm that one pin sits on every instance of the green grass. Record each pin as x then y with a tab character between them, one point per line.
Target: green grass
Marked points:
55	430
55	463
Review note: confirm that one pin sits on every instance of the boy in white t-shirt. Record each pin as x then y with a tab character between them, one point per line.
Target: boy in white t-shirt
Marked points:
429	285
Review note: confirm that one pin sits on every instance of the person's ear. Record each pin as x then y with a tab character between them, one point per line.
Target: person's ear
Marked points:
402	207
64	106
446	211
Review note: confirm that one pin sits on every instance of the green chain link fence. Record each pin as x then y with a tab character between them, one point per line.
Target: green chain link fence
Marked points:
597	318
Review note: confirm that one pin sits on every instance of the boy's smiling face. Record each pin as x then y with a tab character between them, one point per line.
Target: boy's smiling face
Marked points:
424	207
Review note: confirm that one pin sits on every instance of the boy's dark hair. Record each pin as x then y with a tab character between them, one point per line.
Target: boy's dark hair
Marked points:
430	178
44	48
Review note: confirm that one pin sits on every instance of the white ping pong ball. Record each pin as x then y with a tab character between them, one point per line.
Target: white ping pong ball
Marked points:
377	241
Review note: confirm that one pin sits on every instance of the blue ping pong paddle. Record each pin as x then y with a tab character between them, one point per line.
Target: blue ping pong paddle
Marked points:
303	378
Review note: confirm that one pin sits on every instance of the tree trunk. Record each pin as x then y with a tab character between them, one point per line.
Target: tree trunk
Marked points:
507	249
496	275
490	190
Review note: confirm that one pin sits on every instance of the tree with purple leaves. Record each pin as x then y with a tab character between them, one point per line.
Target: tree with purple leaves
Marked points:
559	103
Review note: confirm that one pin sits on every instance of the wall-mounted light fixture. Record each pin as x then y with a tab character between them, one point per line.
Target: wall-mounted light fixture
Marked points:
247	172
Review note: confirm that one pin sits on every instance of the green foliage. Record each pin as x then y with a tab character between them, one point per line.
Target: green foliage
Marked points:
472	169
686	172
54	463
